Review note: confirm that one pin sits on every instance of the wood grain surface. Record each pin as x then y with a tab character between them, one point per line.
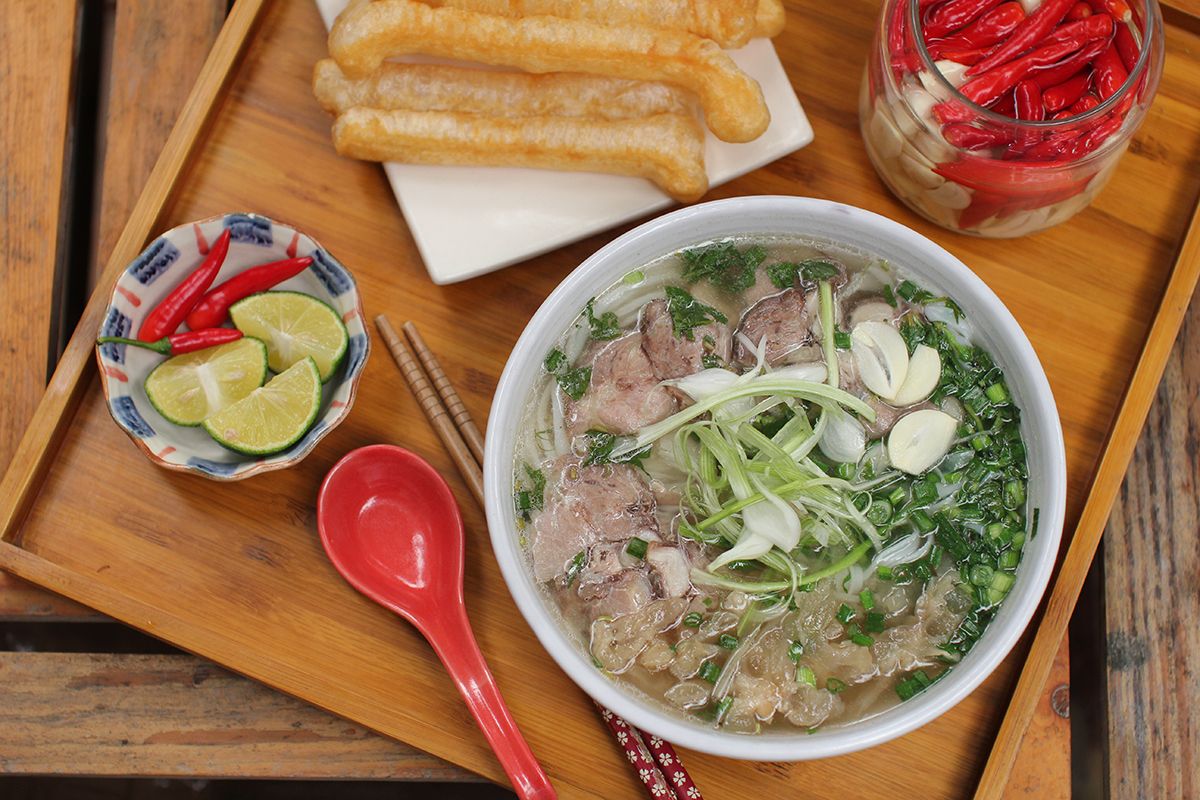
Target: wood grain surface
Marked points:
177	716
156	54
205	568
35	82
157	50
1151	563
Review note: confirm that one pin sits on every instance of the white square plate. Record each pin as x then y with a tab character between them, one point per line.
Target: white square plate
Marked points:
470	220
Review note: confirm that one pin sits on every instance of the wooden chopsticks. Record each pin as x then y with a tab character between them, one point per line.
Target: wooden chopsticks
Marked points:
654	759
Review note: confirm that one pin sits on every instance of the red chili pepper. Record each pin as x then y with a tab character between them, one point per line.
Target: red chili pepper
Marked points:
168	314
955	15
967	57
968	137
1066	112
1119	9
900	58
1091	140
1028	98
1028	34
983	32
1006	105
180	343
213	308
1127	47
1098	26
1108	72
1080	10
1068	67
989	86
1056	98
1083	104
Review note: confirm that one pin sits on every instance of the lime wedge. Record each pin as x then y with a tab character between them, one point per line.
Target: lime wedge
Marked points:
271	418
188	388
295	326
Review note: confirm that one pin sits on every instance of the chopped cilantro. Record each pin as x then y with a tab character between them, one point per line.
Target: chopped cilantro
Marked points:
723	265
529	494
688	313
784	273
555	360
576	566
600	446
575	381
605	326
572	381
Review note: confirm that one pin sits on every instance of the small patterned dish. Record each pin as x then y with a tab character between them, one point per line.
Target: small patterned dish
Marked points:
151	277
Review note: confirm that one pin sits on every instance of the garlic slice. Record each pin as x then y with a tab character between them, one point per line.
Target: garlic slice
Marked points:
881	357
924	371
920	440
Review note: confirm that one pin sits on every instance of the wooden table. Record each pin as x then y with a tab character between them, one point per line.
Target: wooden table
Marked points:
182	716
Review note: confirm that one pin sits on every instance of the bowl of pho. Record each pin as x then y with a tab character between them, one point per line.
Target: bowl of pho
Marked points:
775	478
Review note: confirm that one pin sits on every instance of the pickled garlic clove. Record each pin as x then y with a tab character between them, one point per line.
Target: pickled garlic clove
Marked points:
844	439
920	440
881	357
924	372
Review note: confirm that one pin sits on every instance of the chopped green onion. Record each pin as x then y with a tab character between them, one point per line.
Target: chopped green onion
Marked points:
867	599
897	496
879	512
845	614
1009	559
727	641
841	340
1014	494
997	393
693	619
875	622
885	573
804	674
795	650
835	686
856	635
721	707
709	671
923	521
633	278
636	547
981	575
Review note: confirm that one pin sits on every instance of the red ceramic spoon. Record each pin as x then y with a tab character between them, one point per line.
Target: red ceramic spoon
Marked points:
391	527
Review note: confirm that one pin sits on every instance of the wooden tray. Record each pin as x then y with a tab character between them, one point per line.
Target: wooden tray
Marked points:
235	572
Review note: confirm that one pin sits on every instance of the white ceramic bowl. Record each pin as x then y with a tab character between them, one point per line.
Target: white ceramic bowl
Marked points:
933	268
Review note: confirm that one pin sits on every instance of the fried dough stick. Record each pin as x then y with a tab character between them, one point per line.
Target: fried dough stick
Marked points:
770	18
365	35
729	23
438	87
666	148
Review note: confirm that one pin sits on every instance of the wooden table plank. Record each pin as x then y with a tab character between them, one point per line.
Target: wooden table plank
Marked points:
36	63
157	51
35	82
1151	561
178	716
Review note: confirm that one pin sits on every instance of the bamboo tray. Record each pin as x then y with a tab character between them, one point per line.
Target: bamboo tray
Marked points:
235	572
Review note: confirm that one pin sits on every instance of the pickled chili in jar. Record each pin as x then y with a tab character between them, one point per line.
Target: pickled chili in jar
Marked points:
1001	118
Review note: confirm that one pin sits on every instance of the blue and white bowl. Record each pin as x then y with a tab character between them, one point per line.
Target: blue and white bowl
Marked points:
151	277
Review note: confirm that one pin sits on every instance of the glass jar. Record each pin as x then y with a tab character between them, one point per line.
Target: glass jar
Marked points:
971	169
